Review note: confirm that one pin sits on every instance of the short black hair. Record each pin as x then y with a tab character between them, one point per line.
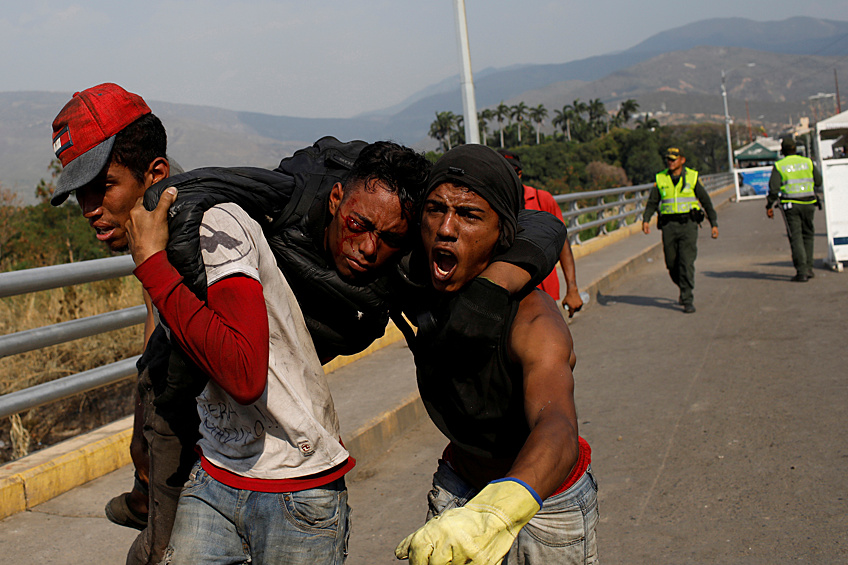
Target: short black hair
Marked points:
138	144
403	170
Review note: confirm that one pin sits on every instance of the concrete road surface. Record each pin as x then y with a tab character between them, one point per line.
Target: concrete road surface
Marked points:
719	437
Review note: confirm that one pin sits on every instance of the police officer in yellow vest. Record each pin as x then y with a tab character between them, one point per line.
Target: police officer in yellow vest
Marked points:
794	180
682	202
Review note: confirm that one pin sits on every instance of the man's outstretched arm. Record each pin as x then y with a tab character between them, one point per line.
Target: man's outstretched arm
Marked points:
483	530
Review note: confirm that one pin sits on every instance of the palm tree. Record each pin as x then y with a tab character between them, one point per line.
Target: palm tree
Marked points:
578	108
441	128
538	115
518	113
562	118
625	111
483	118
458	127
597	113
501	113
559	121
647	122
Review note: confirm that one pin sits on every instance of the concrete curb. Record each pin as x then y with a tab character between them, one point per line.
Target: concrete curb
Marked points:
50	472
36	478
375	436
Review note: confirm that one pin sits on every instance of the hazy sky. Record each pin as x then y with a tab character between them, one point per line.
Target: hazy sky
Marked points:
329	58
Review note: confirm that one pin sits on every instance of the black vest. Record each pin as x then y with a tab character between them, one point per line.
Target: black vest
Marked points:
471	389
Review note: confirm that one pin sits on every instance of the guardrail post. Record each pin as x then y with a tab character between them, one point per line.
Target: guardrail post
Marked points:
574	224
601	216
621	209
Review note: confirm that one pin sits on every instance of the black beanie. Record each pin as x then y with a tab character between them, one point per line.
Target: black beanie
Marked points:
487	173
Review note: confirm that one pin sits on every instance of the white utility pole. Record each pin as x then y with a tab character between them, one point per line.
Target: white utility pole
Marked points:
727	124
469	105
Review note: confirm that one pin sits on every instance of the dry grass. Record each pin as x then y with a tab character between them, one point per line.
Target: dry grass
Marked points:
52	423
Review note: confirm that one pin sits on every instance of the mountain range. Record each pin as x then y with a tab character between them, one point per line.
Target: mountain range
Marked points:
772	69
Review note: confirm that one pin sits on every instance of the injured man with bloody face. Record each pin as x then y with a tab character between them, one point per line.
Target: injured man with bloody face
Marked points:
515	473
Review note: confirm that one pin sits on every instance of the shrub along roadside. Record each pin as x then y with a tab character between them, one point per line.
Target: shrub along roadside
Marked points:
43	235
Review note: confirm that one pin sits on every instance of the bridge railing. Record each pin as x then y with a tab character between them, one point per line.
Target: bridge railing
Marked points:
58	276
614	206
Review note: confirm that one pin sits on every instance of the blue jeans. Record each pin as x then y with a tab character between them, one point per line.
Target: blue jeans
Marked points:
563	531
217	524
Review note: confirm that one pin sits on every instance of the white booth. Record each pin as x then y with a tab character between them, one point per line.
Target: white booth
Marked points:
832	158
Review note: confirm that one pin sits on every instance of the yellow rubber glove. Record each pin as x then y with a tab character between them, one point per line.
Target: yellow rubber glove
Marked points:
481	532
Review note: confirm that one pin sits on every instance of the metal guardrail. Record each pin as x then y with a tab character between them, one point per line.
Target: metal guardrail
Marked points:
625	203
57	276
45	393
616	205
46	278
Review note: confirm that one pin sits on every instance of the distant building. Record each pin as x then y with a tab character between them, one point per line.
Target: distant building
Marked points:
802	127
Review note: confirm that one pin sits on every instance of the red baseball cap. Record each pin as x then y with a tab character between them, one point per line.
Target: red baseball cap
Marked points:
84	133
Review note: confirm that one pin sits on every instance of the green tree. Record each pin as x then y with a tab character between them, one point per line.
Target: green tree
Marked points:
647	122
562	118
483	119
597	117
43	234
518	113
641	155
559	122
458	129
538	115
501	113
441	128
9	206
579	126
625	112
45	188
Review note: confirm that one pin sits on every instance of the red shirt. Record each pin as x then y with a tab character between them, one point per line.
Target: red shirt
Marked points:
535	199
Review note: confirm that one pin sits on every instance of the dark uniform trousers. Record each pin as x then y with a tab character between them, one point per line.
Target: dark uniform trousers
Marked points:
801	232
680	246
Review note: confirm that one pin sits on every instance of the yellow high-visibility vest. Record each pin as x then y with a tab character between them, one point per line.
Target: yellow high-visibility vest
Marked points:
680	198
798	184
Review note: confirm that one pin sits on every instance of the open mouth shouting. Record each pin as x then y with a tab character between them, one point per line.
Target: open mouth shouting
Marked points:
443	265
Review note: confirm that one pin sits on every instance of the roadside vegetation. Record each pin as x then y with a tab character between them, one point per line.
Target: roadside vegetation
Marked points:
591	148
43	235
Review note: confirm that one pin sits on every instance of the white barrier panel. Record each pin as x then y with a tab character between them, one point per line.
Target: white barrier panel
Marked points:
831	136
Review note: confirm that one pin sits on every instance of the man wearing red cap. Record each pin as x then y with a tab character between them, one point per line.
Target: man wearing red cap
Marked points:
535	199
112	148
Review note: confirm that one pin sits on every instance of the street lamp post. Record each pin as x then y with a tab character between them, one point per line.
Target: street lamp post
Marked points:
469	105
727	123
727	120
